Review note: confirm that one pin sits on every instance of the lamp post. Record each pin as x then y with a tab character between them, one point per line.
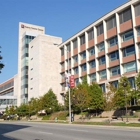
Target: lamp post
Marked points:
125	85
69	89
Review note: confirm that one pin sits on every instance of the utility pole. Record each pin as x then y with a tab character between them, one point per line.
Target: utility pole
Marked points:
1	64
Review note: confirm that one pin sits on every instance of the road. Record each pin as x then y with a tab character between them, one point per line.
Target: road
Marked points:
47	131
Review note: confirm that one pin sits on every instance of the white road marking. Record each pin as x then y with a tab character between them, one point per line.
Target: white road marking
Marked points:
46	133
79	130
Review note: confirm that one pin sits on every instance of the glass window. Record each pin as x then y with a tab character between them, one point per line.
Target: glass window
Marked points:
128	67
100	29
90	34
102	74
132	82
75	43
62	51
62	65
91	51
115	71
75	58
125	15
113	41
92	64
82	39
68	47
128	51
92	77
115	84
127	36
101	47
83	55
114	56
102	60
139	47
76	70
63	75
138	31
137	10
76	81
102	87
84	67
111	23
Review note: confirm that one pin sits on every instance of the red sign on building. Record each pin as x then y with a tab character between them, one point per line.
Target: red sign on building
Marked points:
72	81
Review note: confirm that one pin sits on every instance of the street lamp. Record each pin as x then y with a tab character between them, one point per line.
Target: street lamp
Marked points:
125	85
69	88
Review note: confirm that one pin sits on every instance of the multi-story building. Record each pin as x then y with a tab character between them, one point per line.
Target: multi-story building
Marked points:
38	63
106	49
7	96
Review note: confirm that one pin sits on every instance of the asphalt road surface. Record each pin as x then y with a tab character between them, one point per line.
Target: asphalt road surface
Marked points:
47	131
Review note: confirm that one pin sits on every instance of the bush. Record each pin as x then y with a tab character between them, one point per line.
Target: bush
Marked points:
46	117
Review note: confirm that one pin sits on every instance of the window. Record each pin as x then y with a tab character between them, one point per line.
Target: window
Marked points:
90	34
92	77
115	71
76	70
128	67
113	41
75	44
31	79
125	15
83	55
132	82
68	47
139	47
127	36
114	56
137	10
91	51
31	68
102	74
138	31
75	58
92	64
128	51
115	84
63	75
102	60
84	67
100	29
62	51
31	58
62	65
82	39
76	81
101	47
102	87
63	86
111	23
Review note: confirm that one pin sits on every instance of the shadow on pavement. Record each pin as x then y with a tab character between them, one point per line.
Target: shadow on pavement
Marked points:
6	128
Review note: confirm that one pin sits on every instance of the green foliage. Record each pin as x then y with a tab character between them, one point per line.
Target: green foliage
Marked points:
120	94
109	98
96	96
50	102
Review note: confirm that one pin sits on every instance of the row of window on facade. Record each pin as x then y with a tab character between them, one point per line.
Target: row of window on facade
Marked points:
110	23
130	50
8	101
103	86
127	67
111	42
6	86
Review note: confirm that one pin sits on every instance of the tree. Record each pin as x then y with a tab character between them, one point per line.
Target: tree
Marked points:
1	64
96	97
109	98
137	91
50	102
120	94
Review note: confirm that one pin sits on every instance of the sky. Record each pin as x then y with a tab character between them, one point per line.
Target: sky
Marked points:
62	18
